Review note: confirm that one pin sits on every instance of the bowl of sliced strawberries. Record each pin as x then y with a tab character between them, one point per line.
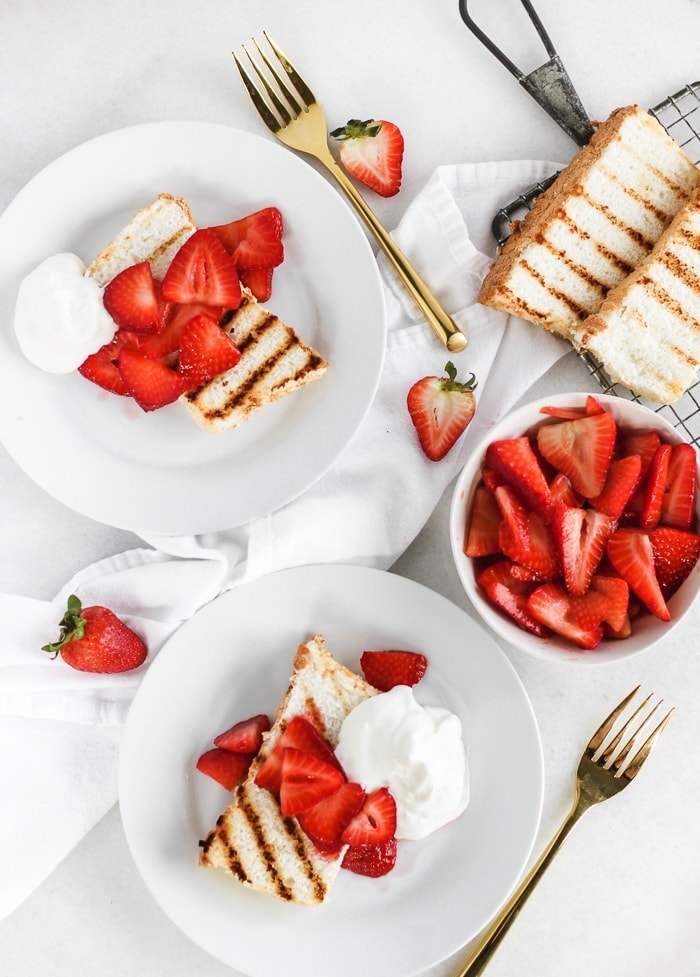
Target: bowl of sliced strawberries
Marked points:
575	528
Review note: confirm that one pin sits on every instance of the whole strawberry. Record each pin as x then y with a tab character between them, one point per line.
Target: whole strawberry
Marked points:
441	408
372	152
94	639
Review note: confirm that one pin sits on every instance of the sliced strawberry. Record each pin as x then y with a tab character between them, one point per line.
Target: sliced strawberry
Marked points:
655	487
254	241
564	413
166	343
202	271
302	735
623	478
618	593
375	822
244	736
593	405
306	780
491	479
517	464
581	535
525	537
582	449
678	507
441	409
563	491
676	552
642	443
227	768
372	152
131	299
580	618
101	368
325	822
151	383
507	589
385	669
372	862
481	537
259	281
631	553
206	350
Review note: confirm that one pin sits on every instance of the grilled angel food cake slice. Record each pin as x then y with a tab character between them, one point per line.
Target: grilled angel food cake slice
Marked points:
593	225
647	332
274	361
252	840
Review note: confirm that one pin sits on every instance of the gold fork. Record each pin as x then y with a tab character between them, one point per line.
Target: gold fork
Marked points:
298	121
607	766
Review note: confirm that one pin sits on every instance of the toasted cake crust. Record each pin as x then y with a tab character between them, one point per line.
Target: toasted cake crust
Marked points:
252	840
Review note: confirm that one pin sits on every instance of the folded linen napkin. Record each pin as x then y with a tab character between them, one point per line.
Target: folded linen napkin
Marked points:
59	729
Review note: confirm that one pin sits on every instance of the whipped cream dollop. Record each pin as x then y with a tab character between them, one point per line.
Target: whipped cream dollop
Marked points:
391	740
60	317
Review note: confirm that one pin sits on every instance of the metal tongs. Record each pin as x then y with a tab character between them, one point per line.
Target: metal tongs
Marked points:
550	84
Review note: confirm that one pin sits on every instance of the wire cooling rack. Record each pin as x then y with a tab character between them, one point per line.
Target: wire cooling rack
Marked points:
679	114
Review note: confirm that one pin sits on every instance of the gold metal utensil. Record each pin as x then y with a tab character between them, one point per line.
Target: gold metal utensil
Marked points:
290	111
609	763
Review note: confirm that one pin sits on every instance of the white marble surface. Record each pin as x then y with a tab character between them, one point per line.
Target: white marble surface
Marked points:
622	897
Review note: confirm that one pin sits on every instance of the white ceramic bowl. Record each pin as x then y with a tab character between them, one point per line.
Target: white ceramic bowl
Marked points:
647	630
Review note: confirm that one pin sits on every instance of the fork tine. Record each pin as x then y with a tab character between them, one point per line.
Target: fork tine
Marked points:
633	767
601	733
296	108
627	734
257	98
298	82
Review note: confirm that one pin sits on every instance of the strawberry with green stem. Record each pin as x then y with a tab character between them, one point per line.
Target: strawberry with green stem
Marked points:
94	639
441	409
372	152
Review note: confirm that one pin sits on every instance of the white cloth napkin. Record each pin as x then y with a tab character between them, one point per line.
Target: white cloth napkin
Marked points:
60	729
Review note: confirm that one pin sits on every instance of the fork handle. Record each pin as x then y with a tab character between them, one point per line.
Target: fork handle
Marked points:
491	938
442	324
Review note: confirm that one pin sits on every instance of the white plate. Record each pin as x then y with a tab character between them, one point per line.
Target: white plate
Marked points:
233	659
159	473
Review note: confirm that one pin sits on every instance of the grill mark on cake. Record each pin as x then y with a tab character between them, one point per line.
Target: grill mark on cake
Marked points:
573	266
296	836
606	252
563	297
631	232
266	850
660	213
664	298
679	269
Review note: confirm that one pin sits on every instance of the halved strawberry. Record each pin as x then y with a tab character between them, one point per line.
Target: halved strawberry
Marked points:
202	271
374	861
580	618
678	507
516	462
301	734
254	241
656	480
581	535
101	368
676	552
259	281
131	299
481	536
372	152
631	553
623	478
244	736
206	350
325	822
441	408
582	449
375	822
563	491
385	669
151	383
504	584
225	767
618	593
166	342
306	780
592	406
